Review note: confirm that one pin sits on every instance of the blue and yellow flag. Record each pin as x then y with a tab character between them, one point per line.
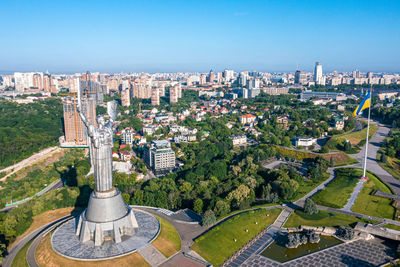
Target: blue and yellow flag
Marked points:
365	103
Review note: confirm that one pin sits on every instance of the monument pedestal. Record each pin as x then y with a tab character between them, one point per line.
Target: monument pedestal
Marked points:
106	218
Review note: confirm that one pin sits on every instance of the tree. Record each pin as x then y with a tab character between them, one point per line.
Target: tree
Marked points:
198	206
209	218
221	208
332	161
384	158
324	149
310	207
347	146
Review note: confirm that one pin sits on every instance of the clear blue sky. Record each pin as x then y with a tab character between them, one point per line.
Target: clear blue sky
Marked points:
163	35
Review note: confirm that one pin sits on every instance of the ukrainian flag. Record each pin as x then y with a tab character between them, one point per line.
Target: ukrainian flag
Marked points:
365	103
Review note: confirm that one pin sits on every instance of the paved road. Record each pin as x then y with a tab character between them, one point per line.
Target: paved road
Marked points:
30	255
372	164
14	250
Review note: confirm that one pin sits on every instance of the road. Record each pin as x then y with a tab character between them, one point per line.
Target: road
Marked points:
14	250
45	153
30	255
372	164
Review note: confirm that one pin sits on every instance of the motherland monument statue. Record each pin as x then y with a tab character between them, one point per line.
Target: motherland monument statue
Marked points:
107	217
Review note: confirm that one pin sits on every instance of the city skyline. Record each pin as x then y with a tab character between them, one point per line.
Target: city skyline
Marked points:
186	37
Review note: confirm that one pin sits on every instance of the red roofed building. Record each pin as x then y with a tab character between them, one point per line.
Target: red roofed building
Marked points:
247	119
125	155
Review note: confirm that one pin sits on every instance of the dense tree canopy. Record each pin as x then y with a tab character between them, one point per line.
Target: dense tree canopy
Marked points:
28	128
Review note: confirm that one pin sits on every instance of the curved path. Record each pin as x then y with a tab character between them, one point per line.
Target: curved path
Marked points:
372	164
36	233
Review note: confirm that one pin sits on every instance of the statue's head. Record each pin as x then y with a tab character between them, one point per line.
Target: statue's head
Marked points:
100	121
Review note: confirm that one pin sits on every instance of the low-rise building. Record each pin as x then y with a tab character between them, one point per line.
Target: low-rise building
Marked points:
305	141
239	139
125	155
127	136
284	121
247	119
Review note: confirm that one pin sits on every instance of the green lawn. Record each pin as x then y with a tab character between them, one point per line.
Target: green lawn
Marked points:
307	185
338	191
356	137
322	218
373	205
168	241
218	244
20	258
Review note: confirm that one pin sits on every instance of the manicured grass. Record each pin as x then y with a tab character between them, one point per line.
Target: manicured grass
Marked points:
218	244
307	185
322	218
168	241
356	137
339	190
373	205
46	256
20	258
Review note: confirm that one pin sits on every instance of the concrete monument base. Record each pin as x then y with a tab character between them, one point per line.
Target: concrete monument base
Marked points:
66	243
106	218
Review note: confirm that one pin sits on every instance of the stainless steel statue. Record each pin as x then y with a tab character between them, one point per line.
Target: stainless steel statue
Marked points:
107	217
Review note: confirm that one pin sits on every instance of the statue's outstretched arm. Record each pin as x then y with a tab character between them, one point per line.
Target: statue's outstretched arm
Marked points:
79	109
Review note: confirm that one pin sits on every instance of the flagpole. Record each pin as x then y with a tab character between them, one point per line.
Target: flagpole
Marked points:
366	143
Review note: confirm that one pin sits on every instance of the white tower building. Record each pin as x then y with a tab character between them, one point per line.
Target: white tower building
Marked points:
318	73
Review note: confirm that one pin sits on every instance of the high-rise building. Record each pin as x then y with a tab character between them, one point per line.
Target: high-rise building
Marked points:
370	75
242	80
300	77
125	97
253	84
173	94
179	90
74	129
220	77
211	77
38	81
47	79
356	74
203	79
155	96
23	80
159	156
318	73
161	90
228	75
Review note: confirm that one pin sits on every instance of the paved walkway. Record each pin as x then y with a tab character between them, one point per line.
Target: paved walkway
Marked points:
45	153
152	255
354	195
